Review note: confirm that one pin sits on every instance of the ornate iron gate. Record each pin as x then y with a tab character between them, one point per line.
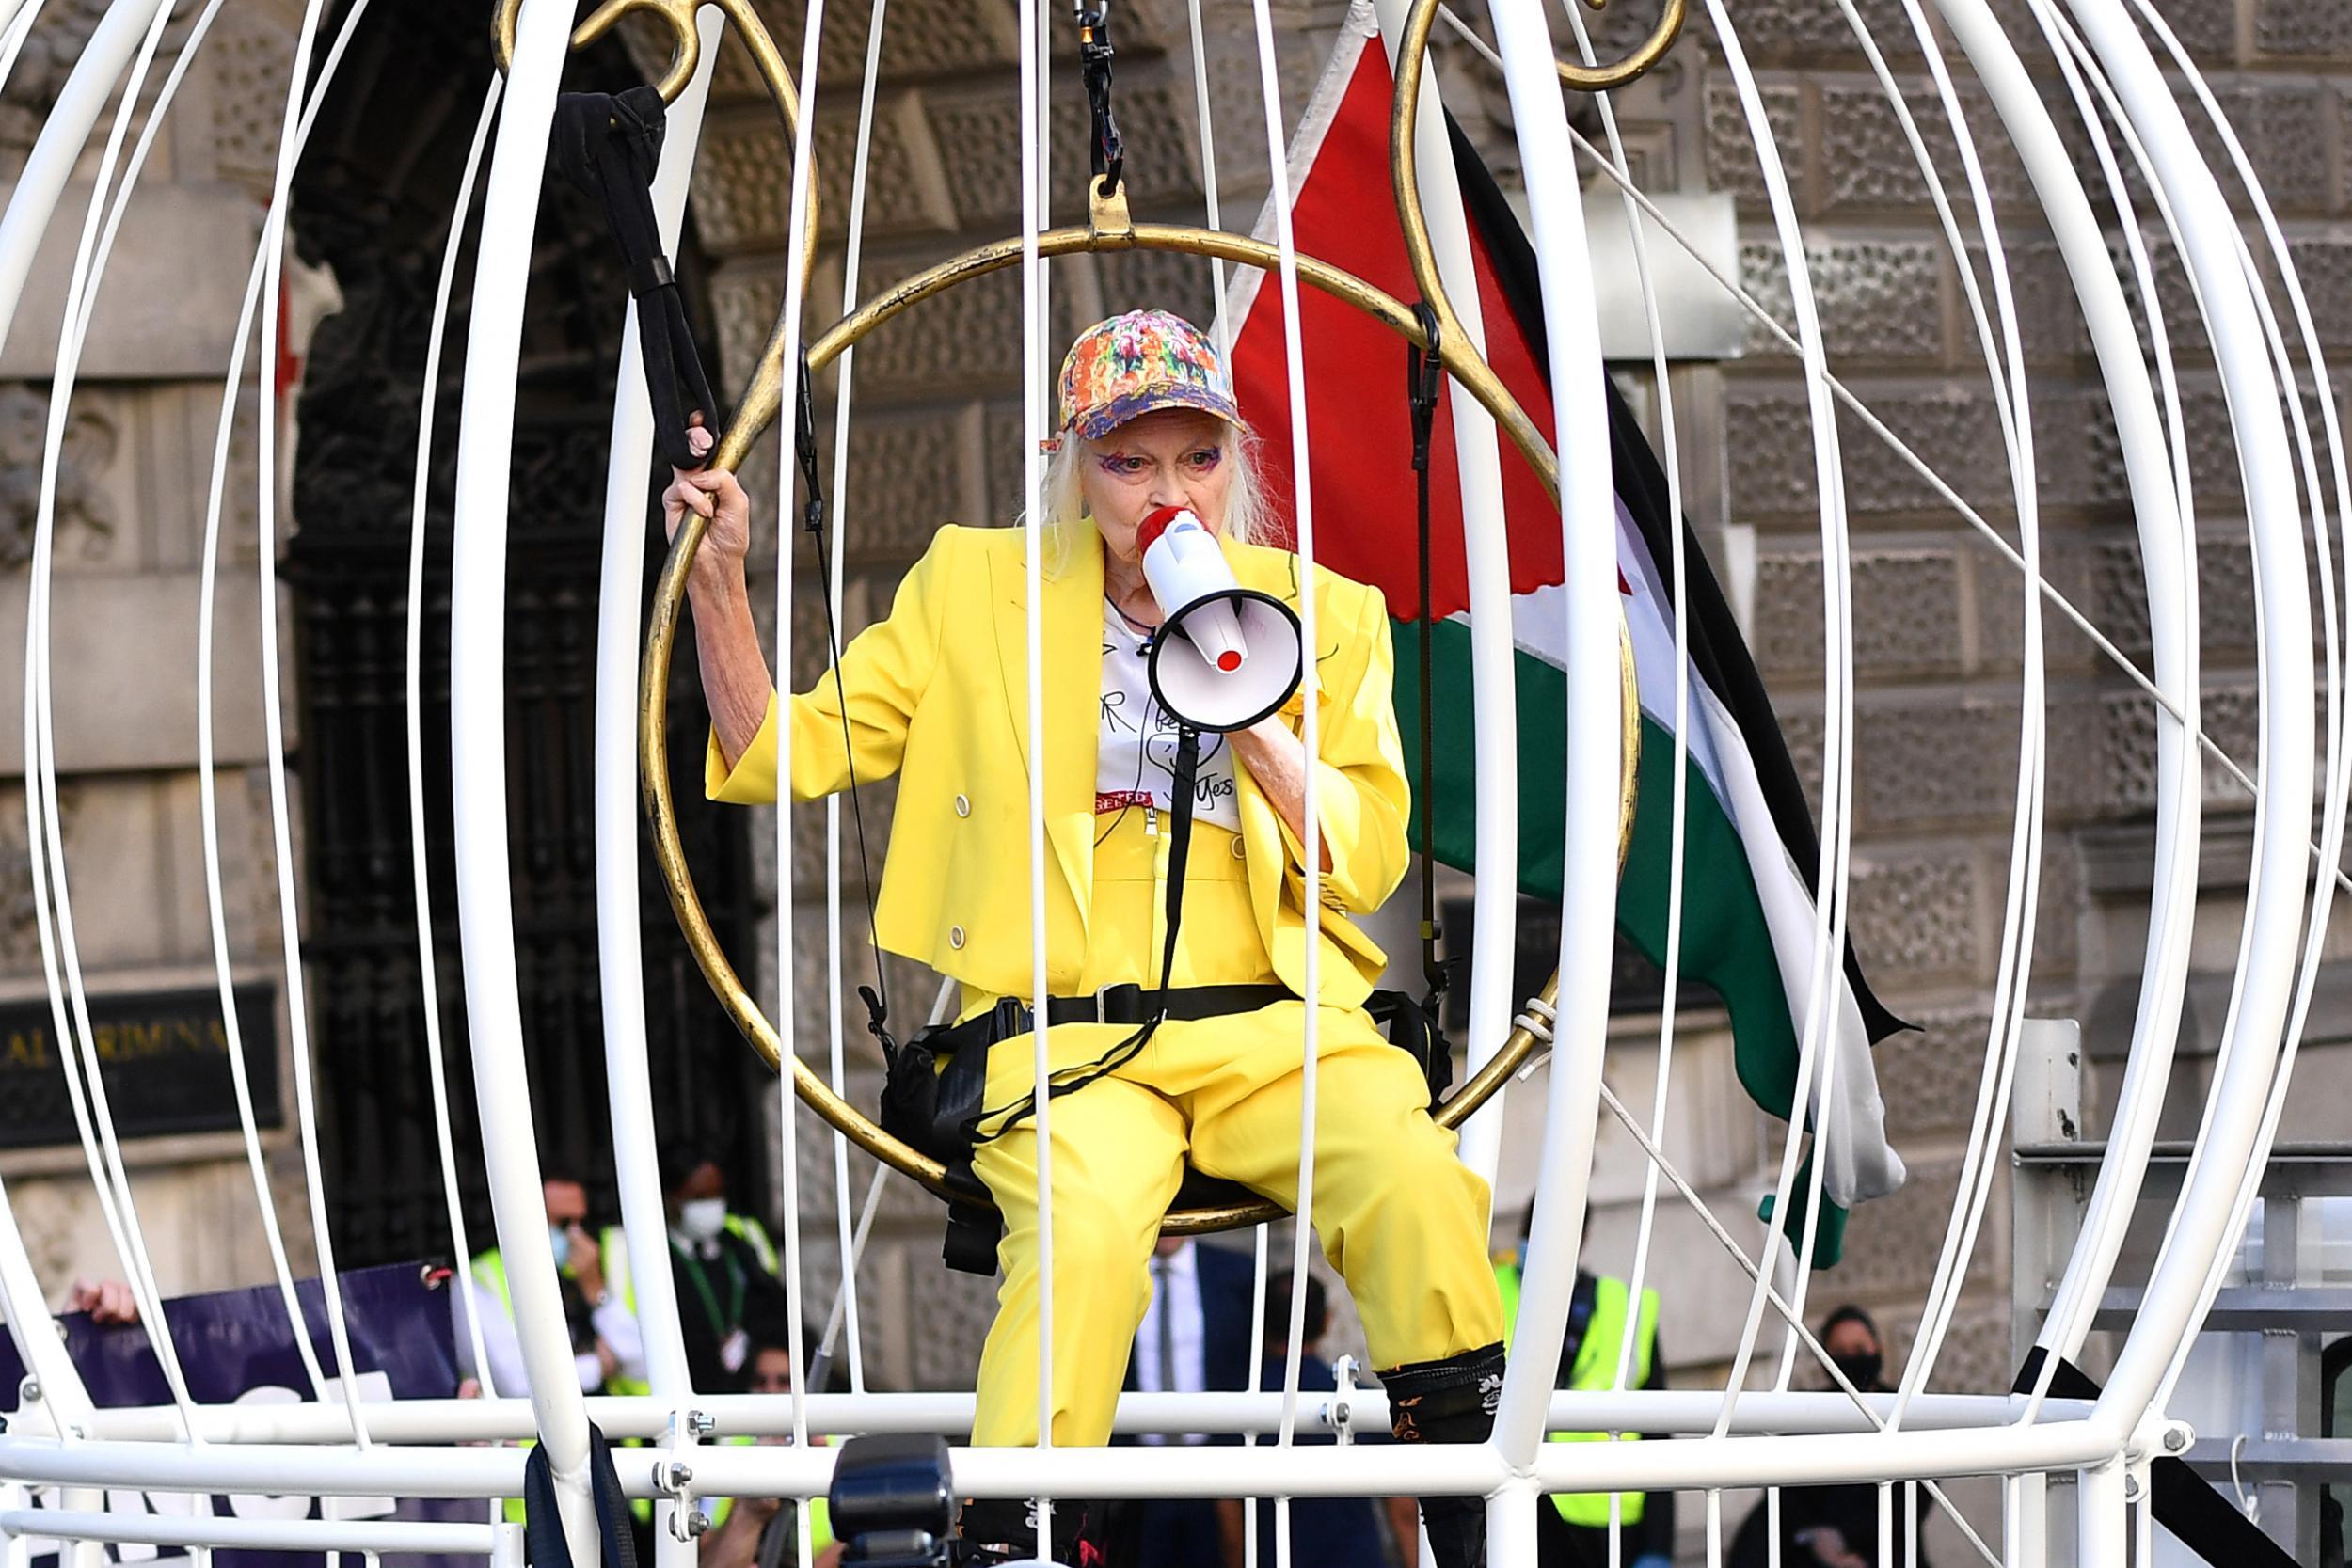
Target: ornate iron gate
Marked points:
348	566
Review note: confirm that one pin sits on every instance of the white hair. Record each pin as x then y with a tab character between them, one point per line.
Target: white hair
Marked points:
1249	520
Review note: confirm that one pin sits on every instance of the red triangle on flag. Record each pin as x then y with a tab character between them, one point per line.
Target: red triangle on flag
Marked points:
1358	418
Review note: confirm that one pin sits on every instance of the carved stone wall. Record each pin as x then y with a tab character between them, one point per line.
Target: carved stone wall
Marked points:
937	438
130	517
1938	612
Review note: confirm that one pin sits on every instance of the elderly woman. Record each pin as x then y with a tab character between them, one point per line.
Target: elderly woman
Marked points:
937	692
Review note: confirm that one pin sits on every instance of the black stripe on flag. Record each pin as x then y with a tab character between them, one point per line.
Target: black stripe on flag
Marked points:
1717	648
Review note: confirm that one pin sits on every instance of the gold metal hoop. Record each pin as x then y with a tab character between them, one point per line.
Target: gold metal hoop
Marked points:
686	51
1111	232
1602	78
1403	174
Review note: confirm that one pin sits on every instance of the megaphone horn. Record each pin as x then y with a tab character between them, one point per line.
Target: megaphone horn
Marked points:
1226	656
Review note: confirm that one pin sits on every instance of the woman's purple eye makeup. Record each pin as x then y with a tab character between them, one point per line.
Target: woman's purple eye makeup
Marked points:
1127	465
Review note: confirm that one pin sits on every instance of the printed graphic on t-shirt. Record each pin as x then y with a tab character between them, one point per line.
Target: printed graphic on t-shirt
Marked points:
1135	753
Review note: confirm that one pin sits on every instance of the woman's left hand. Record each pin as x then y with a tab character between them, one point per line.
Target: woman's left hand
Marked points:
715	495
1277	759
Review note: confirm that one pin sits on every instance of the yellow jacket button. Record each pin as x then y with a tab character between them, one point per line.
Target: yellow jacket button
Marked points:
963	807
955	936
1241	850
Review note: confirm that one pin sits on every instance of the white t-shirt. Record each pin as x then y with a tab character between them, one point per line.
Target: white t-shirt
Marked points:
1135	759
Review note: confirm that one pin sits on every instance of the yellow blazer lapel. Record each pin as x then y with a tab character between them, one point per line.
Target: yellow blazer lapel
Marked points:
1073	640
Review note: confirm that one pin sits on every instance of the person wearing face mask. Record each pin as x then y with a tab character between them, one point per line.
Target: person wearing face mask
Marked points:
1833	1527
606	1348
728	1296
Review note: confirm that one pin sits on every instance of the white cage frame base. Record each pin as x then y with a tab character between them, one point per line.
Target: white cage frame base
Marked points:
62	1458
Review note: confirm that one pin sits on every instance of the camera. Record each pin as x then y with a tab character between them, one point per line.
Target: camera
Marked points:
892	1504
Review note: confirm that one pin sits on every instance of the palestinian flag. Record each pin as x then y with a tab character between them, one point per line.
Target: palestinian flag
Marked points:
1750	847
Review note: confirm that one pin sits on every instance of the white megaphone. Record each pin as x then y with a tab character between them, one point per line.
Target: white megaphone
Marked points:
1226	656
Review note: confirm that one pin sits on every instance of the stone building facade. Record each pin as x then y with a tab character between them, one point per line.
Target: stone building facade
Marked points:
936	437
131	515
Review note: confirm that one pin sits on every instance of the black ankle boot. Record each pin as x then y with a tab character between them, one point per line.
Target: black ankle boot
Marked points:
1004	1529
1448	1401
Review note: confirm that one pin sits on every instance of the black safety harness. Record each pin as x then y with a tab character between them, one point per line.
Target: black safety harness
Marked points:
935	1094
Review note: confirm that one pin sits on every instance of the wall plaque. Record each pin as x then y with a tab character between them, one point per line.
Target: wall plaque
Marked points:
165	1057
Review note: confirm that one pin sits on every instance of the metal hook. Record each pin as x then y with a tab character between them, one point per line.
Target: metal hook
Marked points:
685	38
1602	78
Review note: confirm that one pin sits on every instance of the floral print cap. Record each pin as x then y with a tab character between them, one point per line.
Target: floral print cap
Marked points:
1139	362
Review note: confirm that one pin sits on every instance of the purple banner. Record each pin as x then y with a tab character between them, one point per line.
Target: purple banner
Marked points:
236	1347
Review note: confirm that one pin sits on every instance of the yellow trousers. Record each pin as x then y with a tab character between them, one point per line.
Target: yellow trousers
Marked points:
1402	1220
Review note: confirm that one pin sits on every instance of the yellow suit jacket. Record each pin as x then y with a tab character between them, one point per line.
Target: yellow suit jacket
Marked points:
938	693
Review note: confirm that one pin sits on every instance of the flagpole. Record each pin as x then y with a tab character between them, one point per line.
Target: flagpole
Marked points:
1493	657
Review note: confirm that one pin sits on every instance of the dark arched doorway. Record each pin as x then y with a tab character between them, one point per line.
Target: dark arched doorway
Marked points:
373	201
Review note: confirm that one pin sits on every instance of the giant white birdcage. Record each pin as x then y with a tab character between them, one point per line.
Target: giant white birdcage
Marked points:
2147	114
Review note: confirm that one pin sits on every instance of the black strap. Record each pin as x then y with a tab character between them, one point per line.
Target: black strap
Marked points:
876	996
543	1526
975	1223
1413	1028
1582	1301
608	144
2184	1502
975	1231
1105	150
1135	1005
1180	791
1423	371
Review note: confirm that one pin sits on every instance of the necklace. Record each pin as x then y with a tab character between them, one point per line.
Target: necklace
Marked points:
1138	627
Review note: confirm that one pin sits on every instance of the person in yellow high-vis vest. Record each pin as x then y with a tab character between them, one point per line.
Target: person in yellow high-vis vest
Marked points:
1574	1531
606	1348
741	1235
938	693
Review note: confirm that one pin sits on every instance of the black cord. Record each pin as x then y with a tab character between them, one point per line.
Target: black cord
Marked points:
1107	152
877	996
1424	370
1179	852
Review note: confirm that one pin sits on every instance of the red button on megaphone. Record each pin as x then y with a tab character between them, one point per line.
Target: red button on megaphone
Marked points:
1235	656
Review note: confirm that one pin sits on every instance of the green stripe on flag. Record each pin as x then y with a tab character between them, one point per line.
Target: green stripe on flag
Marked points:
1725	942
1542	699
